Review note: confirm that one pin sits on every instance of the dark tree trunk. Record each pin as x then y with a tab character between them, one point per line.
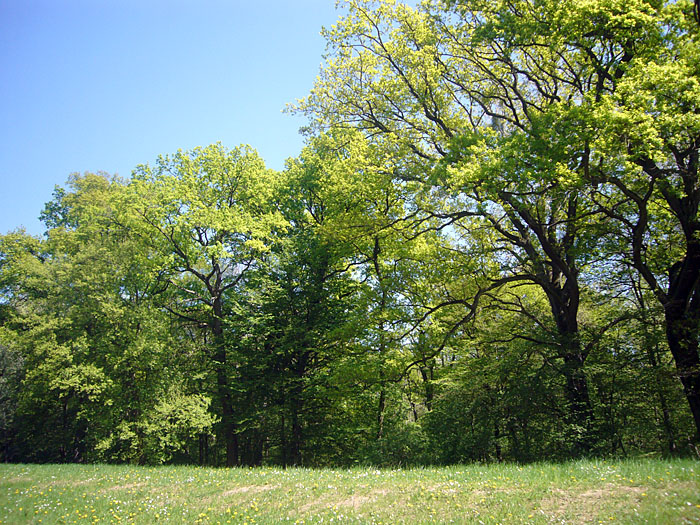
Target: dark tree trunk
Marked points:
203	449
227	420
223	389
555	270
580	410
297	437
668	426
65	434
666	415
380	413
258	449
564	306
497	441
427	375
682	315
296	443
682	336
283	442
682	301
382	342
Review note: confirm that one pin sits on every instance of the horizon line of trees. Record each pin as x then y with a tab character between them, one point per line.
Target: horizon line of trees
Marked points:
488	250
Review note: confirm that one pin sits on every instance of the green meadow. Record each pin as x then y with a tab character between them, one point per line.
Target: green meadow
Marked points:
630	491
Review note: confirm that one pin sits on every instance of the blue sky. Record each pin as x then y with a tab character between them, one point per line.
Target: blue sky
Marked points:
90	85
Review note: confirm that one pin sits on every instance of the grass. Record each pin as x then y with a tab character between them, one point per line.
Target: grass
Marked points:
632	491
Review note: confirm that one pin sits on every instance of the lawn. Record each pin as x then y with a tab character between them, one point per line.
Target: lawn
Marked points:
632	491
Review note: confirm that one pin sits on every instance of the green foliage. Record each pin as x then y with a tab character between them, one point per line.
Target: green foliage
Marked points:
489	250
163	434
95	351
11	372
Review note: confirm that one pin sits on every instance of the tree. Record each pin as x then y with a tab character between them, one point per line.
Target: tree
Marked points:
209	214
646	147
467	101
97	366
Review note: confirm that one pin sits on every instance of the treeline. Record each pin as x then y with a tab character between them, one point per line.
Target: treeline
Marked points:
488	250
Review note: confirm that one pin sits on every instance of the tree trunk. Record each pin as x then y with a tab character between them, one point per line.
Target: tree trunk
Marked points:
426	372
283	441
682	315
682	301
296	444
564	306
666	415
203	449
296	441
497	441
227	419
258	449
223	390
580	409
682	336
380	413
382	342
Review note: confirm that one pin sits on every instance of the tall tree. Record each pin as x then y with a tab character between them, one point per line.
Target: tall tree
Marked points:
469	106
645	142
99	378
210	213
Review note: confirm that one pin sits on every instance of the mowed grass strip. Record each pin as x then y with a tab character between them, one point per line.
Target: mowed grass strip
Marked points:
633	491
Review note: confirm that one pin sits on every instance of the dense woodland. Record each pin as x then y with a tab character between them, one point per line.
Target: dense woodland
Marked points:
488	250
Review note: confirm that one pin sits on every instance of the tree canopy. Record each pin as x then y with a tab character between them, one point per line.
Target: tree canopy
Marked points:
489	249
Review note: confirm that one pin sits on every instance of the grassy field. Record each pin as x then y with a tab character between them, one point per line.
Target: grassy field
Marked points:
641	491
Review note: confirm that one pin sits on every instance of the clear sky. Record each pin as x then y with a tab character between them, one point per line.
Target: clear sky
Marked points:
104	85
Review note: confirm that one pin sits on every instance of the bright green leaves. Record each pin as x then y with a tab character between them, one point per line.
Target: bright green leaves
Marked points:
616	20
163	432
80	312
211	202
384	69
211	216
656	105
